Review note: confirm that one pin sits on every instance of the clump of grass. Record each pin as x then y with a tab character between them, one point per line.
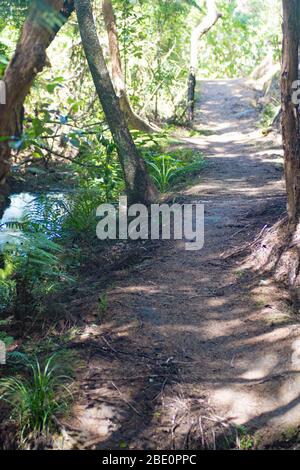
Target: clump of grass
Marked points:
244	440
102	305
201	132
37	396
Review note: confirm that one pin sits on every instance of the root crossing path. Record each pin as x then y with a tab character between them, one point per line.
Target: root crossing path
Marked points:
197	345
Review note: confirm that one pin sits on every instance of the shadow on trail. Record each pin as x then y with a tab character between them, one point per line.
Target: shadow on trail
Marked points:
189	340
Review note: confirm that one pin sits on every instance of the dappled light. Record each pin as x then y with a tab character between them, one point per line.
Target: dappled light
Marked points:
149	235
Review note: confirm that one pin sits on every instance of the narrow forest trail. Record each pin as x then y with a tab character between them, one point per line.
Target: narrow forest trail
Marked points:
196	341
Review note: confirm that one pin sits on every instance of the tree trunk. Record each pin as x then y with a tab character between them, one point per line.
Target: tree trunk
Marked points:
290	111
29	59
203	28
133	120
138	183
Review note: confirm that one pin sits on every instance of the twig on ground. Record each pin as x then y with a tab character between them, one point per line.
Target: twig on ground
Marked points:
126	401
110	347
162	389
202	433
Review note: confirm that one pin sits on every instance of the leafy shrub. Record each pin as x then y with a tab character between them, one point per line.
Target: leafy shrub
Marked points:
99	168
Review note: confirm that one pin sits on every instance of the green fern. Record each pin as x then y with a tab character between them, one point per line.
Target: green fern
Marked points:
34	266
80	213
35	256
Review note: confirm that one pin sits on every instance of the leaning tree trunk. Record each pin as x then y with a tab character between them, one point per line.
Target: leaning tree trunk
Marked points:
29	59
281	244
133	120
277	252
138	183
290	111
203	28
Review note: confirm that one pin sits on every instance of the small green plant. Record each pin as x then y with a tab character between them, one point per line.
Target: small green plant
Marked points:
163	169
244	440
270	111
7	294
240	274
38	396
102	305
200	132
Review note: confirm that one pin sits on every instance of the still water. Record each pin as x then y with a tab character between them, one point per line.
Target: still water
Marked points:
23	204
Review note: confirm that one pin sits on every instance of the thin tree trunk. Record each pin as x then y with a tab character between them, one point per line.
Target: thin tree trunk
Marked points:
133	120
203	28
29	59
290	112
138	183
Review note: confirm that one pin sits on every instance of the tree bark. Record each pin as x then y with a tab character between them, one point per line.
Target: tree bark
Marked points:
29	59
133	120
290	111
203	28
138	183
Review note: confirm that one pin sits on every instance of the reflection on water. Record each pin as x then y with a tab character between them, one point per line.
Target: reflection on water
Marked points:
21	205
18	206
14	213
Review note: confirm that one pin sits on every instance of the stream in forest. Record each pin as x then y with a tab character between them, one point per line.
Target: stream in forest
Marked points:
21	205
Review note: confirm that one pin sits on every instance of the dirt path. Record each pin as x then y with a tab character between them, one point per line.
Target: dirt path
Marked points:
193	341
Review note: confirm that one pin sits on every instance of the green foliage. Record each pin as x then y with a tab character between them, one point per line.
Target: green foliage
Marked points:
12	15
244	440
35	258
166	169
167	166
241	39
14	11
51	136
270	111
79	218
155	44
99	169
163	169
102	305
3	59
7	339
154	56
34	266
7	294
39	394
